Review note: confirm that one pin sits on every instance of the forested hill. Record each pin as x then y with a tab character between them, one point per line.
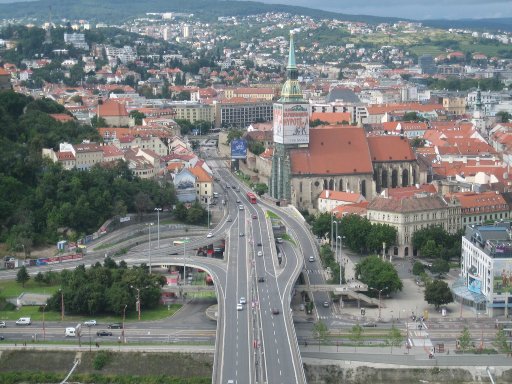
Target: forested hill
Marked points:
37	197
115	11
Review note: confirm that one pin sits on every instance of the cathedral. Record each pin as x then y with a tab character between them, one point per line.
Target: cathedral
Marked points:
339	158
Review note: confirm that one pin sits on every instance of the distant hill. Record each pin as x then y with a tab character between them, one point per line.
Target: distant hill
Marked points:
116	11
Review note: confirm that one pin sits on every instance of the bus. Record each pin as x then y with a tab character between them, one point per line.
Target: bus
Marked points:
251	197
178	242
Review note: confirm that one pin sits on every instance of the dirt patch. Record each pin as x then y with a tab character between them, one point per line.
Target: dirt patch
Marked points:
126	363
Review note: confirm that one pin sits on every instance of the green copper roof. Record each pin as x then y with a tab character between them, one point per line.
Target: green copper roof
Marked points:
291	54
291	91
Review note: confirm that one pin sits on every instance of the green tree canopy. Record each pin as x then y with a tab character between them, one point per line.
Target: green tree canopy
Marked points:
438	293
322	225
378	274
465	339
22	276
356	230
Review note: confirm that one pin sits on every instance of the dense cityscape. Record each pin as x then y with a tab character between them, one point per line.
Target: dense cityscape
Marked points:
277	197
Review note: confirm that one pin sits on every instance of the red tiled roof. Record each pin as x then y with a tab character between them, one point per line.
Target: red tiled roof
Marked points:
332	117
408	204
201	175
65	156
341	196
62	117
112	108
490	201
333	151
388	148
404	192
411	107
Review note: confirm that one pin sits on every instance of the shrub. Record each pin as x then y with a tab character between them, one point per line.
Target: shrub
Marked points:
101	359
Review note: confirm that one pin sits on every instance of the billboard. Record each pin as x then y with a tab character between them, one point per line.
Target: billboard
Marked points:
291	124
502	276
238	149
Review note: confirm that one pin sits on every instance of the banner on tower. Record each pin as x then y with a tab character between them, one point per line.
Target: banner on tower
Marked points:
291	124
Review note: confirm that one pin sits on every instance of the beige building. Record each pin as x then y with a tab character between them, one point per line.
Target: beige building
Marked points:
204	184
193	111
87	155
455	105
411	214
153	143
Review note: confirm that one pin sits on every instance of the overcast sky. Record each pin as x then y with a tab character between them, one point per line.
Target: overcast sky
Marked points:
412	9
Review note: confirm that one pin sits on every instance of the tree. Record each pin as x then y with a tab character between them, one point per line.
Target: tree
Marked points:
322	225
440	266
320	332
39	279
504	116
260	188
501	342
418	268
180	211
98	122
394	338
356	230
22	276
431	249
438	293
356	335
380	234
378	274
234	134
465	339
137	116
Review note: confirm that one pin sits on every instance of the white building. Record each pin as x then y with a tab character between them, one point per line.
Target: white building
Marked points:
486	268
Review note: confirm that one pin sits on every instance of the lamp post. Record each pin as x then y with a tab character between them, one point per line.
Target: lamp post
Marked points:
380	299
340	256
149	248
185	239
44	326
336	236
61	304
158	224
208	210
124	318
138	305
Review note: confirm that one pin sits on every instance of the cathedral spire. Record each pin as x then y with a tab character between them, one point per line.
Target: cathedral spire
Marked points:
291	91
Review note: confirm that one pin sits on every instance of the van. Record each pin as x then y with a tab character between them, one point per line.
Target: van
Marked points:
24	321
70	332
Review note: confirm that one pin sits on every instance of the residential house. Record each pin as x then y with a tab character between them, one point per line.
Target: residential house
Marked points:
482	208
204	184
114	113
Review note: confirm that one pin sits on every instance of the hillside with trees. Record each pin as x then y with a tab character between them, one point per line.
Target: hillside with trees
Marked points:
39	199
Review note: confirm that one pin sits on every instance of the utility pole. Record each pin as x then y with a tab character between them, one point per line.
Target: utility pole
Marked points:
158	224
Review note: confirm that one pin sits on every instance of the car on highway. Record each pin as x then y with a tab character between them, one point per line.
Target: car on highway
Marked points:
238	201
275	311
260	253
2	338
261	279
258	244
103	333
209	235
233	186
254	216
241	234
90	323
243	300
370	324
115	326
326	304
2	324
24	321
239	307
311	258
241	207
229	220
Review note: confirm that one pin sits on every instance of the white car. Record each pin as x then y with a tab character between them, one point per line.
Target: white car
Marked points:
90	323
2	324
311	258
239	307
242	300
209	235
260	253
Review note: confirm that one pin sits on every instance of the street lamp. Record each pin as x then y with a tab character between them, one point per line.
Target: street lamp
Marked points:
149	248
208	209
124	317
138	298
380	299
185	240
335	237
339	258
44	327
158	224
61	304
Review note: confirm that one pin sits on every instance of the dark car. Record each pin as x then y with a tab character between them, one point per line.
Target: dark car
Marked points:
254	216
115	326
241	234
261	279
275	311
103	333
369	324
259	244
2	338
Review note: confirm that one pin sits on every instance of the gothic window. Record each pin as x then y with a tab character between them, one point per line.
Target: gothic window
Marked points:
405	178
414	177
300	187
394	178
326	184
340	185
363	188
331	185
384	183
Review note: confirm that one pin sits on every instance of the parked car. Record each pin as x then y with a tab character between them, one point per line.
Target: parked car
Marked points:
90	323
103	333
115	326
